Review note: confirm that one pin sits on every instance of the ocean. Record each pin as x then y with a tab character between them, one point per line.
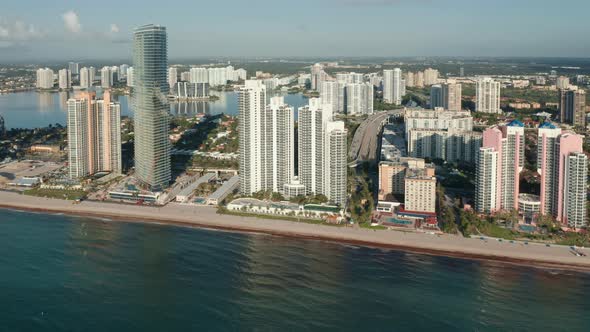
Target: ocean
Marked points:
62	273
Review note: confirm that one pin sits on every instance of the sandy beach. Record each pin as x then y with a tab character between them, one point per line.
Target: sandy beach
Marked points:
558	257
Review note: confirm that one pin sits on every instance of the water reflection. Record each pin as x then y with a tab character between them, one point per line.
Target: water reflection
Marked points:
189	108
45	101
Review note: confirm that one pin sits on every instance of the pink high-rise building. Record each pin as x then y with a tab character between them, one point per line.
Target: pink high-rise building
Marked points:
563	169
500	161
571	180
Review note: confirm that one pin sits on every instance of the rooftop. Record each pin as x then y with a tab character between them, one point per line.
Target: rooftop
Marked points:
515	123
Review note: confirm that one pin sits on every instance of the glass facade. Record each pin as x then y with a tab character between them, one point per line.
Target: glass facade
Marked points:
150	104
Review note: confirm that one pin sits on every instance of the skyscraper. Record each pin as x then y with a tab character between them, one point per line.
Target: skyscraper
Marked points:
562	82
172	77
505	146
85	82
150	88
436	96
487	95
64	79
330	95
388	86
392	89
252	104
94	135
572	177
279	144
267	140
451	96
91	75
322	152
430	76
359	99
106	78
317	76
572	106
548	166
73	67
2	127
44	78
199	75
130	77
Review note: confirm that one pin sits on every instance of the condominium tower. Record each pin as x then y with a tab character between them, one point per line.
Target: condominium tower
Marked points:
572	106
451	96
94	135
64	79
392	89
44	78
85	81
322	152
150	88
487	95
499	163
172	77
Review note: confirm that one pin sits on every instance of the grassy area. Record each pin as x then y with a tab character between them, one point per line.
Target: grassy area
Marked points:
361	203
368	226
69	195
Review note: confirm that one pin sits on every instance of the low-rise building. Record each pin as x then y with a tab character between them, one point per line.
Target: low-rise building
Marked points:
227	188
310	211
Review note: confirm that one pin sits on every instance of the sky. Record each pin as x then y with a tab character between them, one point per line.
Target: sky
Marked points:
42	30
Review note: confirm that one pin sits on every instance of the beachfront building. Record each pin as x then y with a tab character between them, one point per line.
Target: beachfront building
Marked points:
252	103
548	166
410	178
487	95
562	168
311	211
150	90
267	140
322	152
294	189
500	161
279	144
94	135
420	190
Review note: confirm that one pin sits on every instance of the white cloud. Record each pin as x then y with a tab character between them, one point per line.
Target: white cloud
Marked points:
72	22
17	31
114	28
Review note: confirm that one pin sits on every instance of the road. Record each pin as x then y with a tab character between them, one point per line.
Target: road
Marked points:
365	142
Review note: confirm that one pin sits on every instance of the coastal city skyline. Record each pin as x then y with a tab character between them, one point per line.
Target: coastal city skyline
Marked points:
463	177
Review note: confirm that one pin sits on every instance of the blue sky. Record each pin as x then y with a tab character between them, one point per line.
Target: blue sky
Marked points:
59	29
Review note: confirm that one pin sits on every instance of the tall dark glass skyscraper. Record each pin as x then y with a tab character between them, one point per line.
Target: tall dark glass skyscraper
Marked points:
152	148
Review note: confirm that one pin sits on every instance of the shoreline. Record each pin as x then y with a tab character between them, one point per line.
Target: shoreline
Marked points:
536	256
